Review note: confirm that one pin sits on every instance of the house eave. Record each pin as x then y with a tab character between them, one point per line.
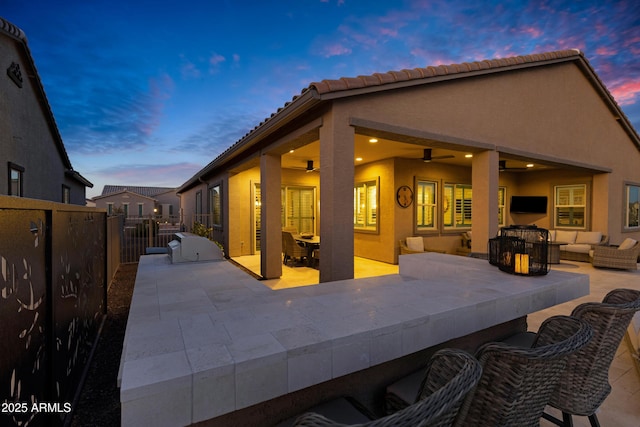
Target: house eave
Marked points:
76	176
300	104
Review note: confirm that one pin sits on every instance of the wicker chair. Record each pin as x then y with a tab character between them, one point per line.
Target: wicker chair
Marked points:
585	382
450	375
516	382
613	257
292	250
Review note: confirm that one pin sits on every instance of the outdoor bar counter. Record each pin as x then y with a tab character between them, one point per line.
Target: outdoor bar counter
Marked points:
208	344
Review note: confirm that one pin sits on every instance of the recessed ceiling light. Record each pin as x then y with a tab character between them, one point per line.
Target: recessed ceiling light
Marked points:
373	140
291	151
530	165
358	159
468	156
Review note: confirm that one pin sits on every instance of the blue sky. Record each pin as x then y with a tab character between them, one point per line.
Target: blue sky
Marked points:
146	92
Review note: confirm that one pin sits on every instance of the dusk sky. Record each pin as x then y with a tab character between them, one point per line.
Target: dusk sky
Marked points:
148	92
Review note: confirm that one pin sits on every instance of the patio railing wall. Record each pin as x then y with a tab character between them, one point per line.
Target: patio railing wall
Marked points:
54	266
140	233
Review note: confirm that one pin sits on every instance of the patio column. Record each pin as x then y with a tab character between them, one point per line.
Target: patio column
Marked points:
271	227
484	207
601	191
336	197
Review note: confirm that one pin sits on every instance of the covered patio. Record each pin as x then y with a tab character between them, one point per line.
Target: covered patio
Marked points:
365	162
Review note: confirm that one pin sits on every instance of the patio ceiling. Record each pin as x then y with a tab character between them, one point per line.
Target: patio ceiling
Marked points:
386	148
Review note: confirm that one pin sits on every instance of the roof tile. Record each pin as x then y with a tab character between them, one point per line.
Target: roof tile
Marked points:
377	79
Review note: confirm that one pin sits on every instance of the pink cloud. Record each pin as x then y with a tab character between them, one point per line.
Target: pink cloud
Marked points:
389	32
626	93
606	51
532	31
335	49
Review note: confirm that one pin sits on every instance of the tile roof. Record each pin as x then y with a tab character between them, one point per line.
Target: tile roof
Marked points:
14	32
379	79
332	88
143	191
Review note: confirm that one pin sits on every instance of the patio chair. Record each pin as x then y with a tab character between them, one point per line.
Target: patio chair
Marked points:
585	382
624	257
449	377
292	250
517	382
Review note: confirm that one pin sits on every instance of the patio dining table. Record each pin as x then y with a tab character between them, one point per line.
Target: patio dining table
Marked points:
311	243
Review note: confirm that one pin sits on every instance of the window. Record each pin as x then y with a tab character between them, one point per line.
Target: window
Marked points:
199	205
570	206
110	208
125	207
15	180
66	194
365	206
298	208
632	204
426	205
140	210
457	206
216	205
502	196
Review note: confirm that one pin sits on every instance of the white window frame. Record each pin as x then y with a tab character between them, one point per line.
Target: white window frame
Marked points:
572	206
502	211
426	208
457	210
631	207
366	202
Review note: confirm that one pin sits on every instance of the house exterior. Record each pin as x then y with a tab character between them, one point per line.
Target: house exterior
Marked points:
364	162
34	162
141	202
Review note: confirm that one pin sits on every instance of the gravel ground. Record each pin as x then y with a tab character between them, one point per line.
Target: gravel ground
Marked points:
99	404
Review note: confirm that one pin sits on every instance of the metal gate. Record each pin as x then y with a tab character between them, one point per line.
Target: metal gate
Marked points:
138	234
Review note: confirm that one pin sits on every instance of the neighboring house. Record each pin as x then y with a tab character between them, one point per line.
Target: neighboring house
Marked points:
33	160
136	201
364	162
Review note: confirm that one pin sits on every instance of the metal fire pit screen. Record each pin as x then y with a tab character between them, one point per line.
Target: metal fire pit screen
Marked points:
521	249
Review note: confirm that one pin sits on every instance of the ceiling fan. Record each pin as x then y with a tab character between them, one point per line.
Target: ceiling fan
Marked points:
502	166
309	168
427	157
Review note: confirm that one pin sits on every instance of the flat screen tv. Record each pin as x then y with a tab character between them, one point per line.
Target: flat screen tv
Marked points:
529	204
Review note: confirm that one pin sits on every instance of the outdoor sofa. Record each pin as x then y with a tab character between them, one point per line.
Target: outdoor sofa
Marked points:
578	244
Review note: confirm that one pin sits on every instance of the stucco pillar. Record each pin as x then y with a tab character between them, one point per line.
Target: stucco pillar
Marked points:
271	227
484	207
336	198
600	204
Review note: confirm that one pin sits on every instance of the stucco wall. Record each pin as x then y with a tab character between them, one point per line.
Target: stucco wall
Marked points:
26	138
551	112
120	199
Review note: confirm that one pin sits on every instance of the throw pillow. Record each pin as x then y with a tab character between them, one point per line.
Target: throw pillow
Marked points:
589	237
568	237
415	244
628	243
